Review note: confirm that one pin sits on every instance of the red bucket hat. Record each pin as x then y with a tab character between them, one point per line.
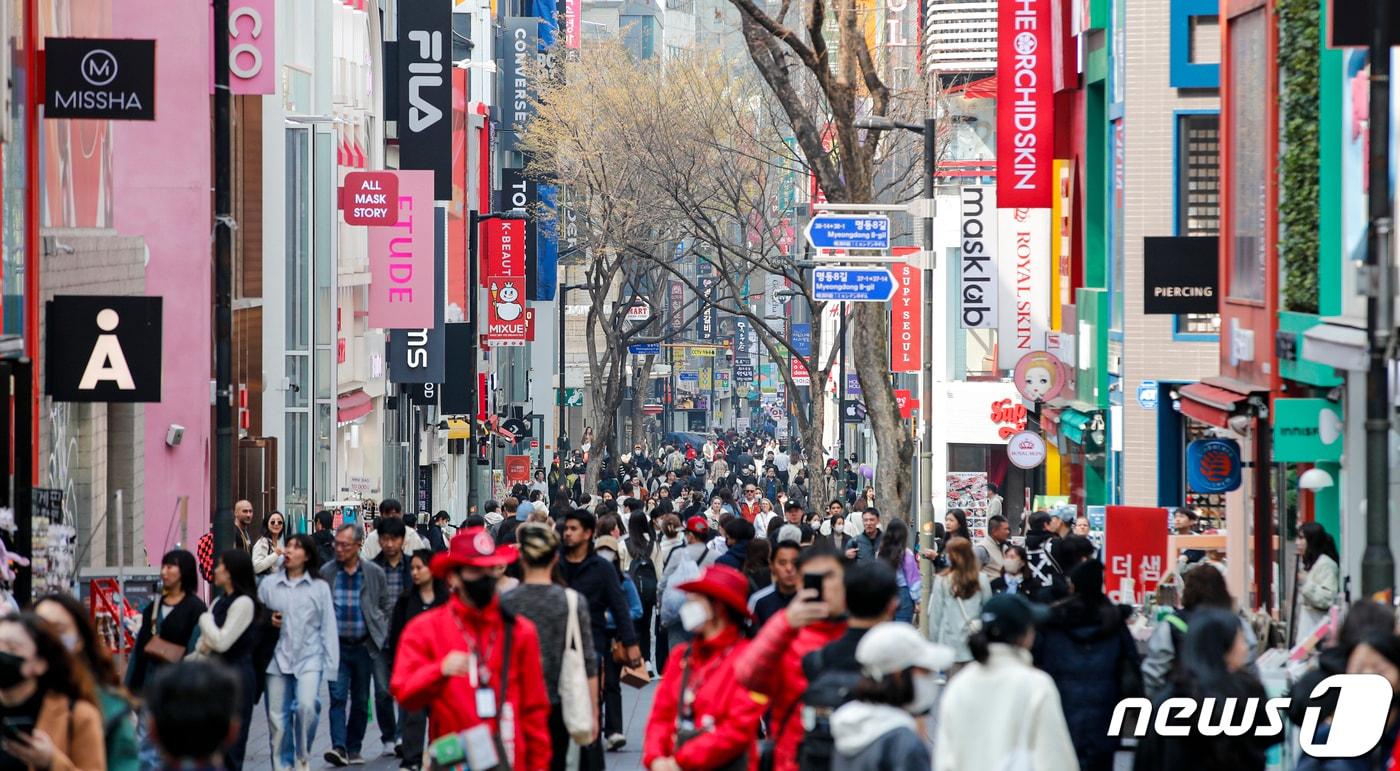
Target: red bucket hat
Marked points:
472	548
722	584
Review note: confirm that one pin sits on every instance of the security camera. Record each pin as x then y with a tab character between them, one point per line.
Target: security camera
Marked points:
174	434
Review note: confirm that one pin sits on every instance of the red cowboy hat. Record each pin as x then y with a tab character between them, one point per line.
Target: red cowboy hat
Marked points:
723	584
472	548
698	526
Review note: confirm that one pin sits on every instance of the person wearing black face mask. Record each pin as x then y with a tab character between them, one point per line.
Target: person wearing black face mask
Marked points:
473	664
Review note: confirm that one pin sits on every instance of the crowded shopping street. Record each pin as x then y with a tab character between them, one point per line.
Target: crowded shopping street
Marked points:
699	385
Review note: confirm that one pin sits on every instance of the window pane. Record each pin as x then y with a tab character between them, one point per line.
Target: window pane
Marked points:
323	243
324	431
296	377
298	449
1198	197
298	238
1249	75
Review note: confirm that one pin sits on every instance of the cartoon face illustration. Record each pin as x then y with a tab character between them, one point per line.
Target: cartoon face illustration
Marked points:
509	293
1037	382
507	302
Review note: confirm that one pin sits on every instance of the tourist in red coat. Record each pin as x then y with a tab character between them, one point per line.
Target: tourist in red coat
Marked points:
701	717
451	658
772	663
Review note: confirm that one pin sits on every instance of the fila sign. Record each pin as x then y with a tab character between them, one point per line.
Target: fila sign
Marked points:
102	349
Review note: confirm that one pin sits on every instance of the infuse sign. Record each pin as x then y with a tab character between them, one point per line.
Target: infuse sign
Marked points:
977	300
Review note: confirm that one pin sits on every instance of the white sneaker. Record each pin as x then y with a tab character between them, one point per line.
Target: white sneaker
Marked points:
615	742
303	765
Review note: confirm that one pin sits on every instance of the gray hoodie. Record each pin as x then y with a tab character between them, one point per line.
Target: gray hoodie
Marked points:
877	737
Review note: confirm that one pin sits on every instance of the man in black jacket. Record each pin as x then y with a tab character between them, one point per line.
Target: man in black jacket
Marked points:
324	536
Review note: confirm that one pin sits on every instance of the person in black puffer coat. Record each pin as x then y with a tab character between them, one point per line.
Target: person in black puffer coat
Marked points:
1087	650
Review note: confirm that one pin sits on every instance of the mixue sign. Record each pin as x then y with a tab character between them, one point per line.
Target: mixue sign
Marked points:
99	78
506	322
1023	270
977	295
425	91
102	349
1025	89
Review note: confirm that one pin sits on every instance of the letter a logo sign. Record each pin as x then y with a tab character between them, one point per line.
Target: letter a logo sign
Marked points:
103	349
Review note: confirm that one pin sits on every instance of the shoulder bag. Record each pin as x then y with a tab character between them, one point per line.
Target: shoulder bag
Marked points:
575	701
157	648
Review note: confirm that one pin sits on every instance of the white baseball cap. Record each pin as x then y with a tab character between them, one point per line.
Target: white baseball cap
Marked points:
895	646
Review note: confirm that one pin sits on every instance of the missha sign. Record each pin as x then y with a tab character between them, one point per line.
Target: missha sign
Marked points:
1025	93
977	295
99	78
401	263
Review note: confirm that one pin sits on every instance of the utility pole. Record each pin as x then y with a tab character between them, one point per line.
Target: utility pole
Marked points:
223	287
1377	562
925	489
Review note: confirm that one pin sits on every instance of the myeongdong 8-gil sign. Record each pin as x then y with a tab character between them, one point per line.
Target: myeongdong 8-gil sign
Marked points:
1025	109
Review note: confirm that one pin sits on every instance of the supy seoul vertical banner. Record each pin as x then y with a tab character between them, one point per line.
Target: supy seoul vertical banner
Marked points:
402	269
1025	104
906	318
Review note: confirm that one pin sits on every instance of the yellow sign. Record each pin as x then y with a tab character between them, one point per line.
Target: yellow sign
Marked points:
706	379
699	351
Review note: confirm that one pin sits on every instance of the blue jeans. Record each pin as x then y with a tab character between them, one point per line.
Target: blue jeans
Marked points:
281	689
356	671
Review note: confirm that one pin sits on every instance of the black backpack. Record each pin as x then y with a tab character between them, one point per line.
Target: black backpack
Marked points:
643	573
828	687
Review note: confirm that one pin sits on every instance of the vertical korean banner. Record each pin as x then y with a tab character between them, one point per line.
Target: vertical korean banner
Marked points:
402	264
1025	104
705	329
1135	544
677	306
1023	266
906	318
977	292
425	92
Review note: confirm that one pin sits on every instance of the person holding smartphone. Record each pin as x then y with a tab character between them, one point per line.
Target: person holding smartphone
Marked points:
48	712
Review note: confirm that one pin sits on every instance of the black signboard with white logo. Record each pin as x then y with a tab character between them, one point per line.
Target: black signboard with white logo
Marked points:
425	91
518	70
102	349
1180	274
424	394
99	78
519	191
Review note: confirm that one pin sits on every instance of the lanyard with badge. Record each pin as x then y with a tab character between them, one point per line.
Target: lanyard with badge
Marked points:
479	748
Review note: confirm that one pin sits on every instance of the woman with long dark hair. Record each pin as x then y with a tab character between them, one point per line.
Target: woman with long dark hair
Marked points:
1320	579
229	632
640	544
894	551
168	623
267	552
47	702
955	525
1211	665
957	598
67	618
1016	576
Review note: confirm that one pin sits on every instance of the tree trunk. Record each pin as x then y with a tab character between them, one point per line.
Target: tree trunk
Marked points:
893	480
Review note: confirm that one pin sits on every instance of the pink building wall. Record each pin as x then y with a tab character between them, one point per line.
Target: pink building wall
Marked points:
163	193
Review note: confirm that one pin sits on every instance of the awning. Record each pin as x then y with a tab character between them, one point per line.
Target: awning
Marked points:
1050	424
1210	404
1072	423
458	429
1336	343
353	406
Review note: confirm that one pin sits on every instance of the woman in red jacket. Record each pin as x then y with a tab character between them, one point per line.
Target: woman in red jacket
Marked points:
701	717
452	660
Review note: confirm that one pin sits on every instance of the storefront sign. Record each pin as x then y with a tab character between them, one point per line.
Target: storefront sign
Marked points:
977	298
102	349
677	306
401	259
904	399
743	370
522	49
705	325
1307	431
506	322
745	341
1212	466
1180	274
517	469
425	92
455	391
906	318
1039	376
1010	416
99	78
502	244
519	191
419	356
1026	449
800	375
370	198
1025	88
1023	267
1134	545
252	47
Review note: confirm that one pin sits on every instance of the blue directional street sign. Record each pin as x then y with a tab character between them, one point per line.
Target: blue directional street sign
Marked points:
645	349
857	285
849	231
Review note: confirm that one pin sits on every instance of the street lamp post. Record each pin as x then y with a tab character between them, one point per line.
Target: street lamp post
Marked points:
474	220
559	397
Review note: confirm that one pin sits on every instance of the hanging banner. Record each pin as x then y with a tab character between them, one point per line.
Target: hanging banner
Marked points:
906	318
420	355
977	296
519	191
677	302
522	49
506	320
1135	542
774	304
798	370
705	325
425	92
1023	269
102	349
1025	104
456	388
802	339
252	47
403	270
502	244
745	341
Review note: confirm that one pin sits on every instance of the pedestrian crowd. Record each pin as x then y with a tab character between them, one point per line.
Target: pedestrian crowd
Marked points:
777	632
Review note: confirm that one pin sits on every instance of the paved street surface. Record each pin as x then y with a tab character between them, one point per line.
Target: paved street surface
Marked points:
636	704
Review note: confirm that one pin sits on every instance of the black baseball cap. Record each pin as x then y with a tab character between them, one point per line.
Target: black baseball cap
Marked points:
1007	617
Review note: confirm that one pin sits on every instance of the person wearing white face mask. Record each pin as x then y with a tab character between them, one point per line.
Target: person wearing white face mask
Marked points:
1016	576
879	730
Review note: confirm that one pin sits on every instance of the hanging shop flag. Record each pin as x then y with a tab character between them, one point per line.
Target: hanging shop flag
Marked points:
520	191
977	296
1025	104
370	198
1135	540
252	47
518	70
102	349
502	243
99	78
402	260
517	469
506	320
1213	466
455	392
425	91
798	370
1180	274
677	306
906	318
802	339
420	355
705	326
1023	268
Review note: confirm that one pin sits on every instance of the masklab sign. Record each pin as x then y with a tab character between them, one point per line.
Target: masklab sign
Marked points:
401	264
977	295
252	47
1023	267
1025	94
